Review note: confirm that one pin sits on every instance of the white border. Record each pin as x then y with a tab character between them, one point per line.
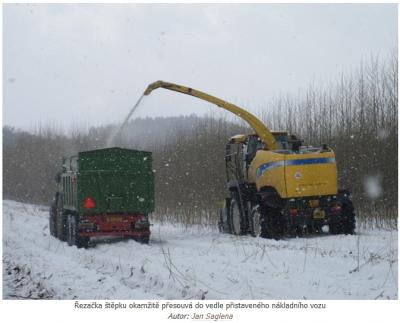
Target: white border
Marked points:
64	311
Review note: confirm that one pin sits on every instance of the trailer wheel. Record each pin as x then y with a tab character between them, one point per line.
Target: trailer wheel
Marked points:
144	240
236	219
61	225
71	232
72	235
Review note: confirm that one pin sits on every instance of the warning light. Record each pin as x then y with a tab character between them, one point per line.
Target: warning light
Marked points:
89	203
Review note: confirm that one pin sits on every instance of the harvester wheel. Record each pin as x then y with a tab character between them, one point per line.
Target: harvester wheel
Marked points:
300	230
349	220
335	228
236	219
223	224
255	221
271	226
72	235
292	231
318	227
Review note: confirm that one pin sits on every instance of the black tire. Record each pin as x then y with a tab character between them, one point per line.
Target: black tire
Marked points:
292	231
61	225
52	223
271	224
349	218
318	227
335	228
310	229
83	242
60	219
144	240
223	224
71	231
299	231
72	235
255	221
236	217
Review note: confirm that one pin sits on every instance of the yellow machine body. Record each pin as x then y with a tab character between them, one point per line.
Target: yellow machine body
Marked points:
294	175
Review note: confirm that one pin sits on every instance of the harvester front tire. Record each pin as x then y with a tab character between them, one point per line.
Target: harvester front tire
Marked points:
236	219
223	224
335	228
255	222
349	219
266	224
271	226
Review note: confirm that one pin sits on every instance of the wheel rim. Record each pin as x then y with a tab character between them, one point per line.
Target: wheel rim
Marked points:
235	218
256	222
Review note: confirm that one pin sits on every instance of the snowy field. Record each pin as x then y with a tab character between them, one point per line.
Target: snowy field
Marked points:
194	264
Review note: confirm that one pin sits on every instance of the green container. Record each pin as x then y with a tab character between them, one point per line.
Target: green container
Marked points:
120	181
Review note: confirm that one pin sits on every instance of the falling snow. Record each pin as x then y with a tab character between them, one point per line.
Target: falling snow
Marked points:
372	186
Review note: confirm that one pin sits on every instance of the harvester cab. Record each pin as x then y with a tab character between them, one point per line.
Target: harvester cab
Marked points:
276	186
251	144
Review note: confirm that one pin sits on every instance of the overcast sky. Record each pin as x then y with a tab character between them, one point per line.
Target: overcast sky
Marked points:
88	64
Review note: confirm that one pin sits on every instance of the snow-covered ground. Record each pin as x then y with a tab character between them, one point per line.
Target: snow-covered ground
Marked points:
194	264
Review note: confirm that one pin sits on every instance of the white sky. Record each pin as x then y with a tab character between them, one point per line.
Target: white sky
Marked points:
83	65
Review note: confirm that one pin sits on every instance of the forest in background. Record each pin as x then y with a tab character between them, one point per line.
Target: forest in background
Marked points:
356	115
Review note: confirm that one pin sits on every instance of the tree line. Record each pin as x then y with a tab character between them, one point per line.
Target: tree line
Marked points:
355	114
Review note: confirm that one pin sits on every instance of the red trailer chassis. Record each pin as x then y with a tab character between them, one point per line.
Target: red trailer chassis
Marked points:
116	225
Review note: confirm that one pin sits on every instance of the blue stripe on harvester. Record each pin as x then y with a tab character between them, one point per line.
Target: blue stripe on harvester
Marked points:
310	161
264	167
267	166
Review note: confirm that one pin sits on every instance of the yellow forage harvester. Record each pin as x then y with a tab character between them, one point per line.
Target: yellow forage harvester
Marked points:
276	185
